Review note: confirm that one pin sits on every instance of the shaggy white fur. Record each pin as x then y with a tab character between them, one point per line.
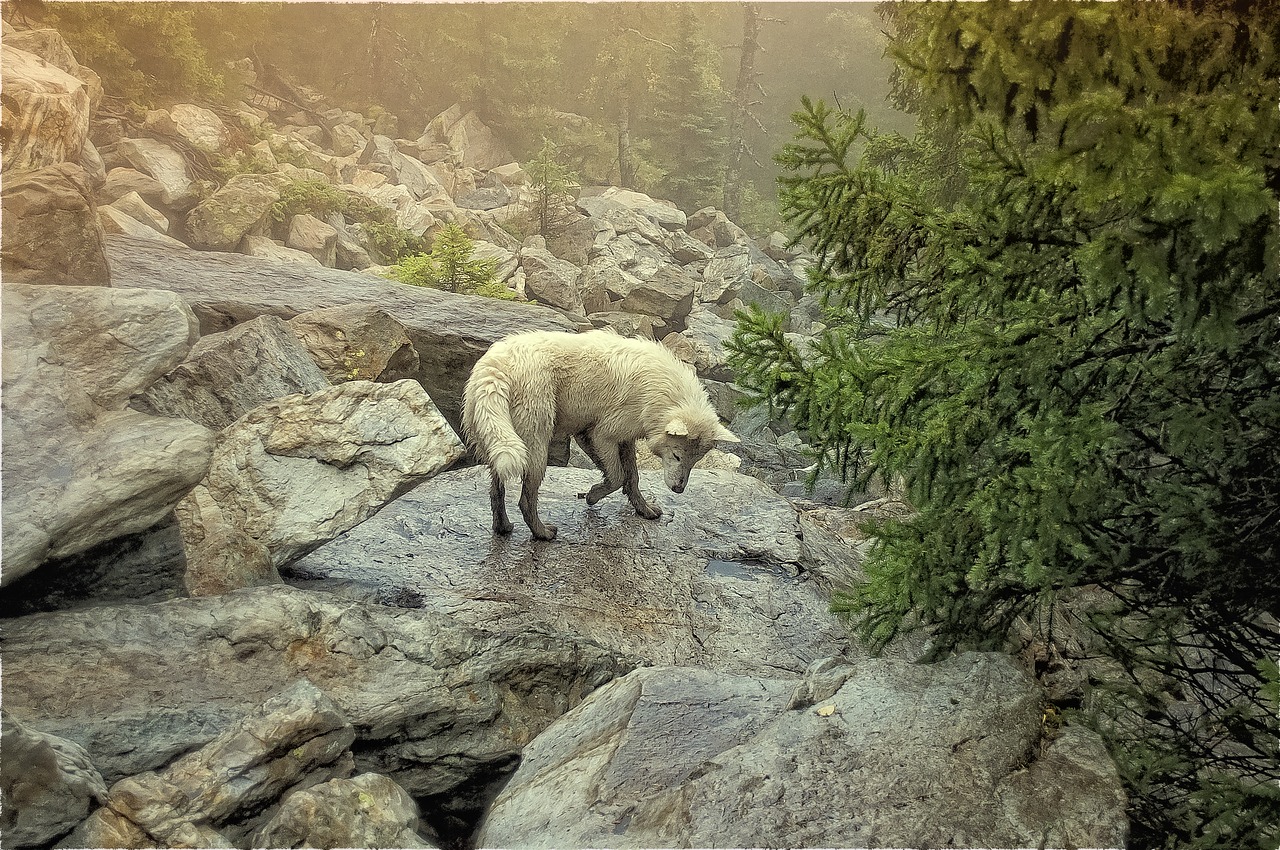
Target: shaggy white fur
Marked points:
604	390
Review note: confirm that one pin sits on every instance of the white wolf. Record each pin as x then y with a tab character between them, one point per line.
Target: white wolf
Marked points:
606	392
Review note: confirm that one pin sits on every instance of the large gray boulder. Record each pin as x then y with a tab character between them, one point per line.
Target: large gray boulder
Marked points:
200	126
47	785
667	294
474	143
435	703
875	754
713	227
298	471
230	373
166	165
290	740
79	468
121	181
356	342
381	156
132	205
220	222
662	213
368	810
549	280
723	580
623	218
46	112
449	331
51	229
310	234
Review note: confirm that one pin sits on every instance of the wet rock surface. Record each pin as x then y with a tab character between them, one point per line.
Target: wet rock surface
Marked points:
721	580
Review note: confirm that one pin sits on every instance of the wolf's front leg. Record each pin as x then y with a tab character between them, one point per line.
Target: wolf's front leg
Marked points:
529	501
631	482
604	455
498	503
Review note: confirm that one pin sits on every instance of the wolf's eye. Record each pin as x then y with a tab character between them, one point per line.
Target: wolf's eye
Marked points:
676	455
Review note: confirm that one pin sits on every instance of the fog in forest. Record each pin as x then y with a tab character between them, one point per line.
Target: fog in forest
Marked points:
667	98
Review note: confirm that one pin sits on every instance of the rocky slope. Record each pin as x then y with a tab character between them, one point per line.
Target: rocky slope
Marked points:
247	602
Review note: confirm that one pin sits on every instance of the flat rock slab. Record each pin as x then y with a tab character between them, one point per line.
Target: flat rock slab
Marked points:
434	703
449	331
721	581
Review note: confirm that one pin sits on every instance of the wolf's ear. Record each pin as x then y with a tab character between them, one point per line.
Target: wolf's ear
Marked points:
677	428
724	435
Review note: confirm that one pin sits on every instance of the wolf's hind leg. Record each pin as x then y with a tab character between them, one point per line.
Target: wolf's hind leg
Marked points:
631	482
604	455
529	499
498	502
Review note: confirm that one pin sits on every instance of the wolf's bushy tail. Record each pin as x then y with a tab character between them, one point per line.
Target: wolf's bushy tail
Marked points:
486	421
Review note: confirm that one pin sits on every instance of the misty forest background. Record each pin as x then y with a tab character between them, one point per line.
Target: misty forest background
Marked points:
1046	239
641	95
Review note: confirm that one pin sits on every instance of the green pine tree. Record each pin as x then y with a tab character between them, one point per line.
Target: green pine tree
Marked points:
689	120
450	266
1081	255
552	183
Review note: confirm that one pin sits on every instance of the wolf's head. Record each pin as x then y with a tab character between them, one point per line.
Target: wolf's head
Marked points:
684	441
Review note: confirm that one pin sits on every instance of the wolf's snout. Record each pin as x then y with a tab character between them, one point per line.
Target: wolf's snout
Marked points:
678	487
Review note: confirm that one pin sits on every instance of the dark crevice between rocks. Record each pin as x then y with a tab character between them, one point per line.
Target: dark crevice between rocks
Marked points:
138	568
453	819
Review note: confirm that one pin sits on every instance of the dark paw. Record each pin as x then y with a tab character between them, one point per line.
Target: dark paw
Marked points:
649	511
502	528
547	532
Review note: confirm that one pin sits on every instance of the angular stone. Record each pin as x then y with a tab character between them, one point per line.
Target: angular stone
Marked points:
115	221
662	213
549	280
228	374
52	234
435	703
79	469
310	234
668	294
266	248
713	227
45	112
725	275
369	810
164	164
247	767
320	463
221	221
875	754
199	126
122	181
47	784
449	331
466	134
136	208
356	342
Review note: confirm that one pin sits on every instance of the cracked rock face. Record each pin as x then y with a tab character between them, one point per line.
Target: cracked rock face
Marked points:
79	469
296	472
878	754
723	580
291	740
48	785
434	703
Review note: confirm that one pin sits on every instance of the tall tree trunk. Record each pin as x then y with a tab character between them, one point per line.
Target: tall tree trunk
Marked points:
626	160
741	109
